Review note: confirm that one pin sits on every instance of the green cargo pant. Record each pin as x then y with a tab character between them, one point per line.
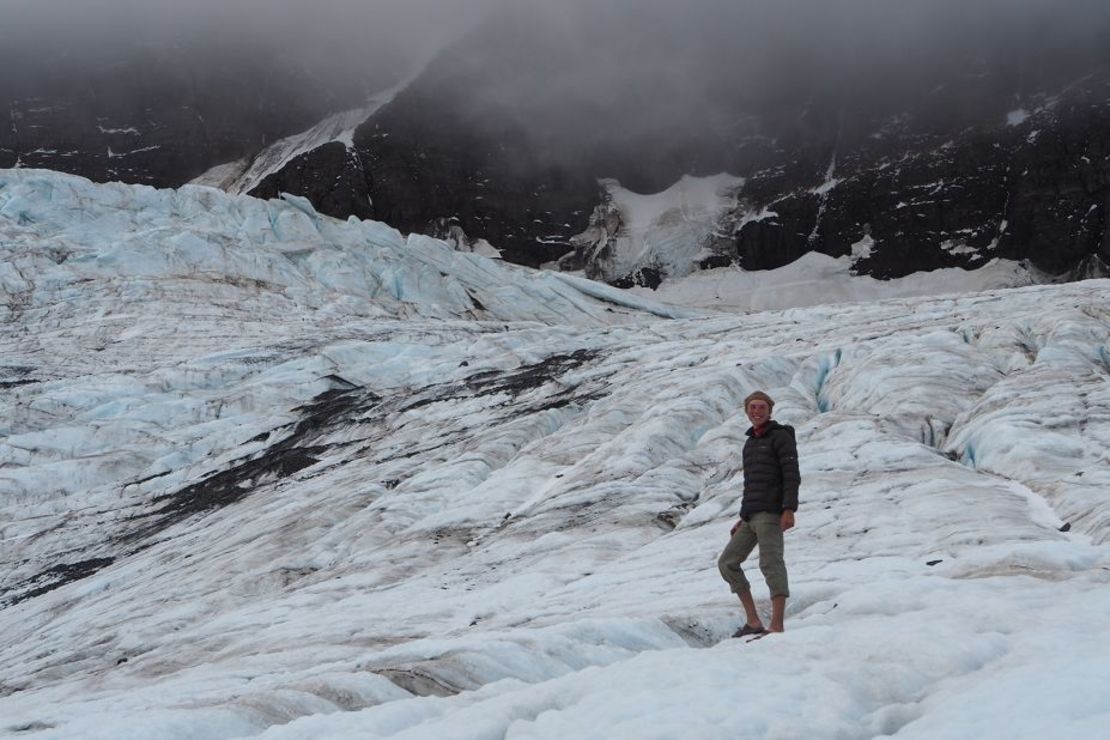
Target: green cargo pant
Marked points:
764	529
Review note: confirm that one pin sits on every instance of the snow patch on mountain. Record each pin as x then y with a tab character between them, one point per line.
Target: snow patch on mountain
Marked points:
667	232
242	176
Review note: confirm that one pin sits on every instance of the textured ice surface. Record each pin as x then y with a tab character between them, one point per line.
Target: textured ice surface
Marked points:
268	474
815	278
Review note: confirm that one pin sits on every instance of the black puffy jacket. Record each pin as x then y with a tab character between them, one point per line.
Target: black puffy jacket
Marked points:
771	475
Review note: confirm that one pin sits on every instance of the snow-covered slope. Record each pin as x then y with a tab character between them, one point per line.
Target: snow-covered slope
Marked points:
253	488
816	278
242	176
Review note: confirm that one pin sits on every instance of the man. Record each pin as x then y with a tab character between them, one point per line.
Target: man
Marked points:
771	482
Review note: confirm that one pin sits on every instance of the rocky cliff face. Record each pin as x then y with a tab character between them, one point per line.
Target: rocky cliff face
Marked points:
332	174
996	154
1027	183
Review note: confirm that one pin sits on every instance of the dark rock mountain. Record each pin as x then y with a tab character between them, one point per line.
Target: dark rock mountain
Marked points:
158	114
1031	184
905	145
991	146
333	177
515	159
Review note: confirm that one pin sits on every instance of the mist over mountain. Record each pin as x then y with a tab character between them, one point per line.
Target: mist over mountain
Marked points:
625	73
907	140
157	92
902	139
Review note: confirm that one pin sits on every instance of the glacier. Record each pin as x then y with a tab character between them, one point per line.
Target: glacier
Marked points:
268	474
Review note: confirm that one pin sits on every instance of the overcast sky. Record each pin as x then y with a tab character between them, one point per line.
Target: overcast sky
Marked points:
333	34
423	22
740	37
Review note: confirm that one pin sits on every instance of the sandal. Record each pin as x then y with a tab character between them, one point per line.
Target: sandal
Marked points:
747	629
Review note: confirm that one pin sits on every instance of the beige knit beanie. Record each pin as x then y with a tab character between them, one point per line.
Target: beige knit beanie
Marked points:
759	396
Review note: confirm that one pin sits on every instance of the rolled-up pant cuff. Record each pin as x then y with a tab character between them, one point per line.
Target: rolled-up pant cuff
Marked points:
765	530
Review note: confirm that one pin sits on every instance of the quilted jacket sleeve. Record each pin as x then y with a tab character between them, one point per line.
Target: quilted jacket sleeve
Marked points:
787	450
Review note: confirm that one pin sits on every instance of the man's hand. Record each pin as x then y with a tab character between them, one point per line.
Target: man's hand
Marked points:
735	527
787	520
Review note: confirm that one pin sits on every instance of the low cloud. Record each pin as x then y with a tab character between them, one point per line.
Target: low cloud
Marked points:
354	32
618	52
687	34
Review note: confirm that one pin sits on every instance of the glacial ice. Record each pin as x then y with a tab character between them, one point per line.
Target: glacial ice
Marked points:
268	474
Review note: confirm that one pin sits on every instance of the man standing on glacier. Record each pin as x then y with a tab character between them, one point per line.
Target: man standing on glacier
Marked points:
770	498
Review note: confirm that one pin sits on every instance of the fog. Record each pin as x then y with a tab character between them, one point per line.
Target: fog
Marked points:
693	74
335	34
657	60
861	32
60	22
746	45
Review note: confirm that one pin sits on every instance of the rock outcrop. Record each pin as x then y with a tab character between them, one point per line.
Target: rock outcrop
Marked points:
331	176
1030	184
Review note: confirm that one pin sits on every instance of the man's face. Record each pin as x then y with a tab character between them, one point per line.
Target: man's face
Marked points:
759	412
